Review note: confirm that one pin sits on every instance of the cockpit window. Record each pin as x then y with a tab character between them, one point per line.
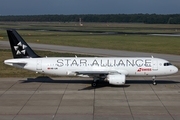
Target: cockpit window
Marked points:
167	64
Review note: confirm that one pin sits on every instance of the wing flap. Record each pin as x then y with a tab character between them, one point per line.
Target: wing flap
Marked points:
94	73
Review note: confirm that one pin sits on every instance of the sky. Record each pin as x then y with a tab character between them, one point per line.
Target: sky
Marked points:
68	7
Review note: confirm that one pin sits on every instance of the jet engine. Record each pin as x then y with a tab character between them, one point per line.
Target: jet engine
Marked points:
116	79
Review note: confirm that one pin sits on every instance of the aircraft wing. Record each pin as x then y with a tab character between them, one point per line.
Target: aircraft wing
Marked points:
95	73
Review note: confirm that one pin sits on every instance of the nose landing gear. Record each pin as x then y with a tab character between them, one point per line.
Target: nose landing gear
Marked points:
154	82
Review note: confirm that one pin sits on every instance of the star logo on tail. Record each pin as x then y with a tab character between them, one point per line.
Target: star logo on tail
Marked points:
20	49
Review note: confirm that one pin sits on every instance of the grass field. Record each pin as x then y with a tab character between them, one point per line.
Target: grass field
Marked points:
93	39
142	43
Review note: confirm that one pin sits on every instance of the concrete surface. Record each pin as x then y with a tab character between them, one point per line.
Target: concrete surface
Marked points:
74	98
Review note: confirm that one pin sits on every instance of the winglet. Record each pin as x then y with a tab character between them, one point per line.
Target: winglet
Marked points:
20	49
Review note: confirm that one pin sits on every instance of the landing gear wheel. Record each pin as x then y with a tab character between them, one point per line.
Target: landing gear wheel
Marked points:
94	84
154	83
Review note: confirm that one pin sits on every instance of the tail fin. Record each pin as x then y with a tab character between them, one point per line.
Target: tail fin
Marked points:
19	47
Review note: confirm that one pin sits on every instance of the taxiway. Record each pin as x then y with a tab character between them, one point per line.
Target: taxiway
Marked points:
74	98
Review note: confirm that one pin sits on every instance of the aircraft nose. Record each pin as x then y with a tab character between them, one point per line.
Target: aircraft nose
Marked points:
175	69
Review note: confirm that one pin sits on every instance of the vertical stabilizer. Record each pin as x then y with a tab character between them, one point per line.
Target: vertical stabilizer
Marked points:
19	47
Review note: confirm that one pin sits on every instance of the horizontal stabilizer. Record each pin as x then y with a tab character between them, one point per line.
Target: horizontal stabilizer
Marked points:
13	62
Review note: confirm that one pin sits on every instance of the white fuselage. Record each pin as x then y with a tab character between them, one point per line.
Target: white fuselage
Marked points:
68	66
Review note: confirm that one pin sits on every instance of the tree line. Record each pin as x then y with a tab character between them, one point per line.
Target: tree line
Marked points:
119	18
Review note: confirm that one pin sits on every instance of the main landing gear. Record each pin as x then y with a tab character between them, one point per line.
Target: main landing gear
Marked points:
154	82
94	83
96	80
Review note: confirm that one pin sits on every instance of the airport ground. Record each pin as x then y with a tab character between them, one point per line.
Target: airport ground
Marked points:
59	98
74	98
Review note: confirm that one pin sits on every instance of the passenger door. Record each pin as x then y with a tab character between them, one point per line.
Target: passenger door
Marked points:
154	64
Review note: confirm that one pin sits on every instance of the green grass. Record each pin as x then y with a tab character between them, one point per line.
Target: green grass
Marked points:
142	43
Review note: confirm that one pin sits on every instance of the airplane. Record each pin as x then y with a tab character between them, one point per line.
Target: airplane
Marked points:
111	69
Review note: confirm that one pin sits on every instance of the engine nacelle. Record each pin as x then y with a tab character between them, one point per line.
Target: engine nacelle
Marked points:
116	79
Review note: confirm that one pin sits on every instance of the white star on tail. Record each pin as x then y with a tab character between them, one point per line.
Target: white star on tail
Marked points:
20	49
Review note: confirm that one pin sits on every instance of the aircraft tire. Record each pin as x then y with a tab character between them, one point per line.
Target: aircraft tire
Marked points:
94	84
154	83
